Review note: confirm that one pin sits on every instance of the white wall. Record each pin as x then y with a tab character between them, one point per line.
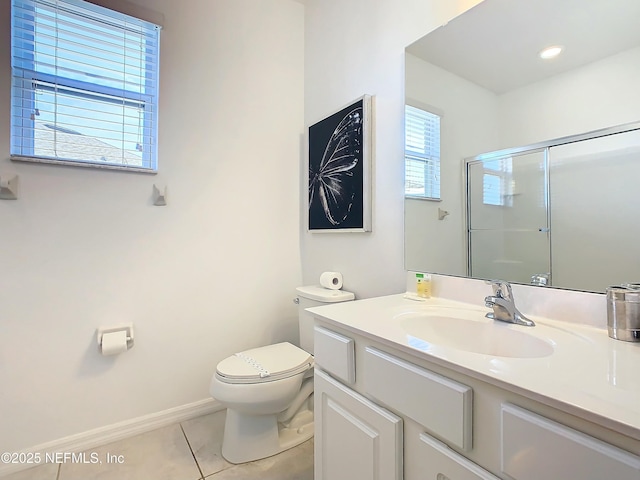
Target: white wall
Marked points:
352	48
598	95
210	274
468	126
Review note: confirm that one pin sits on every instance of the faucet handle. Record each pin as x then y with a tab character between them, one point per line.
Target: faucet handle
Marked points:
541	279
501	288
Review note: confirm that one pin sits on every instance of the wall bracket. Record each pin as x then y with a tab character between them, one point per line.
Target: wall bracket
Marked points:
159	196
9	188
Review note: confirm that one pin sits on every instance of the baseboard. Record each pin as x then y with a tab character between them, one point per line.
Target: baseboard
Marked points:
117	431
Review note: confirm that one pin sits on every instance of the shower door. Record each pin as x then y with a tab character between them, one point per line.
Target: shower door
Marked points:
508	218
594	208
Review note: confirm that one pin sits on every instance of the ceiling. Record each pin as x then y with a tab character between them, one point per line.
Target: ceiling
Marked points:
496	43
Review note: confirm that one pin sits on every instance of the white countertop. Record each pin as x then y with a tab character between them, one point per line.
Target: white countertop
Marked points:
588	374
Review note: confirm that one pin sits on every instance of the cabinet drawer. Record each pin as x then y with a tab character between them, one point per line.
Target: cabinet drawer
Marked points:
441	405
335	353
439	462
534	447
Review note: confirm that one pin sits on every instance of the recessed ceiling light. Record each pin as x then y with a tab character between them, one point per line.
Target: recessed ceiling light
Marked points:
550	52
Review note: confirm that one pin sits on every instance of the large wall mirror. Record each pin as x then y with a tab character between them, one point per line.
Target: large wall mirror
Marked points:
482	76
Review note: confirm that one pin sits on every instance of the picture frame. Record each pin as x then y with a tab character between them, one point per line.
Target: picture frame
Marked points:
339	170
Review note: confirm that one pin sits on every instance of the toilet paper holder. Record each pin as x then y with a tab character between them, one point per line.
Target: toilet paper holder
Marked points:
127	328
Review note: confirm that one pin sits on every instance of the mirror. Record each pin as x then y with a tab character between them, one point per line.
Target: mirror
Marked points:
481	72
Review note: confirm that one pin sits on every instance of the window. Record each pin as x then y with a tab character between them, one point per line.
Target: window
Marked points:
497	186
422	153
85	86
492	189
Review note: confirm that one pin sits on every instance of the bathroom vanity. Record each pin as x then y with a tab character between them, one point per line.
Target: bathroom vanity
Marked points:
434	390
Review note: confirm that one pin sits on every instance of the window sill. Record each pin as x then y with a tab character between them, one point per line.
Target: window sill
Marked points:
74	163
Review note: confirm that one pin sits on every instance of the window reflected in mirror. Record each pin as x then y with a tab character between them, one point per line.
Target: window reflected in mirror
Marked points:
422	153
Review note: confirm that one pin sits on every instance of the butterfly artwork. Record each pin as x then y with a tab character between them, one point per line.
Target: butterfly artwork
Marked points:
337	165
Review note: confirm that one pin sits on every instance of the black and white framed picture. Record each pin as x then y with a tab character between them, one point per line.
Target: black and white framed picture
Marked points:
340	170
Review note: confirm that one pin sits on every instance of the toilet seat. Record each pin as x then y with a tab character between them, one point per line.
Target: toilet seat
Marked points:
264	364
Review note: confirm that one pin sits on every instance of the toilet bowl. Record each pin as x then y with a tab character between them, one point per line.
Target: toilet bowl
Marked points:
256	386
268	391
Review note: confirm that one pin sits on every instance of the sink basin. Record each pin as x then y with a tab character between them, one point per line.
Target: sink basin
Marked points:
477	335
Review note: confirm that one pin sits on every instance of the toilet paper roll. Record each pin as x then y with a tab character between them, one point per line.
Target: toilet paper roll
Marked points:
114	342
331	280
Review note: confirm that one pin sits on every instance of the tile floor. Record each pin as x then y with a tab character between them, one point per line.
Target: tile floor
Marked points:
186	451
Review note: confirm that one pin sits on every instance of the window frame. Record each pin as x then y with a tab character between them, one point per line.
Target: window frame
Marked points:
431	167
27	80
504	175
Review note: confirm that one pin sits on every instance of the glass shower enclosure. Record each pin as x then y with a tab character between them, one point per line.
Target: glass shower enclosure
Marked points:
562	213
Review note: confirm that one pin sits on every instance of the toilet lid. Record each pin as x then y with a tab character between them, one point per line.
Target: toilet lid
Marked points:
264	364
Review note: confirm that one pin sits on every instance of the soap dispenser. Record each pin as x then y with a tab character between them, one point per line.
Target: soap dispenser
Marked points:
423	285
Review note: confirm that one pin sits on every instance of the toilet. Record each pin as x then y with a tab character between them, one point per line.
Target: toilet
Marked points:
268	391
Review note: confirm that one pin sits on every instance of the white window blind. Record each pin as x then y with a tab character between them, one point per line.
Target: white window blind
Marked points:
492	189
497	185
422	153
85	85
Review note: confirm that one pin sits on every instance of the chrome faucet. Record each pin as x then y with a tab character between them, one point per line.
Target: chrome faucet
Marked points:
504	307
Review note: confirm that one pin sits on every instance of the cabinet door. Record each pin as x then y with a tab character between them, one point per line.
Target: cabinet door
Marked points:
354	438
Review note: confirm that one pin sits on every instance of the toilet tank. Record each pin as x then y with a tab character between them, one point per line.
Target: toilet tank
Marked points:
315	296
